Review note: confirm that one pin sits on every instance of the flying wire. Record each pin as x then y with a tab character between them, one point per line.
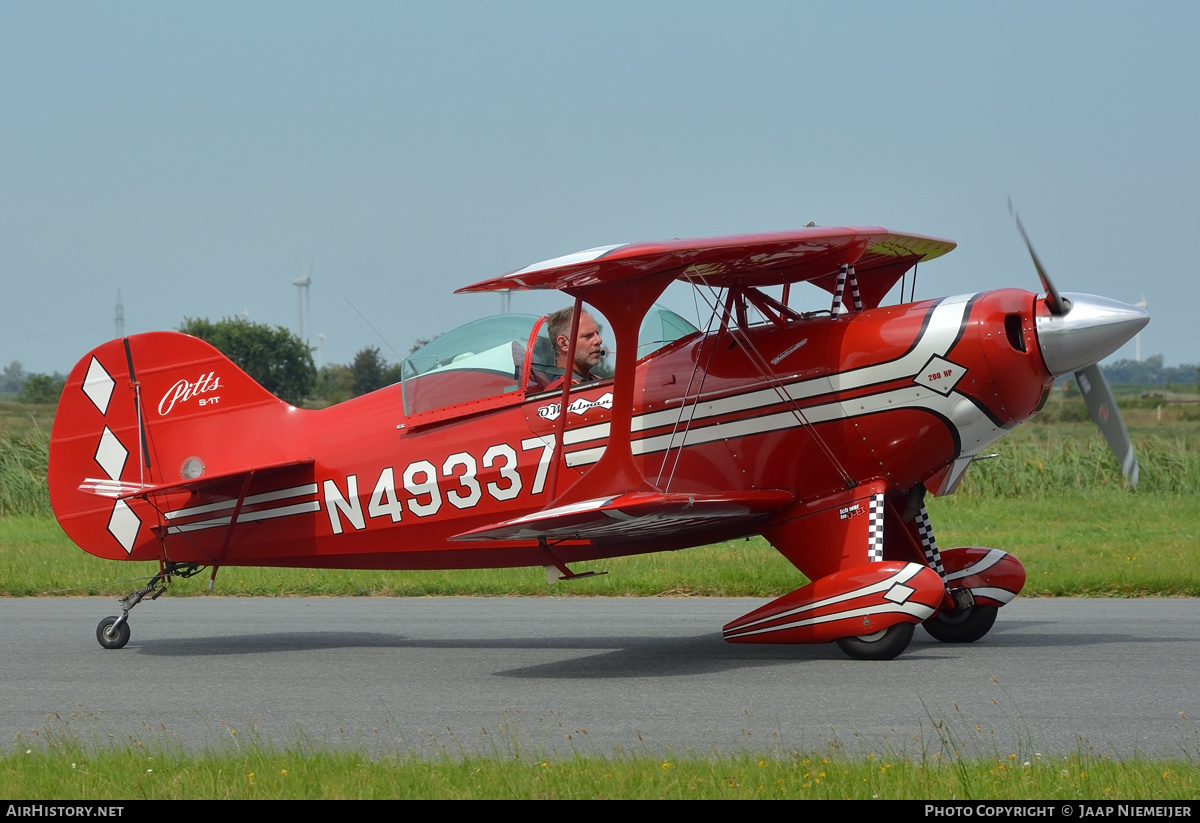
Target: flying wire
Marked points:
691	408
102	583
759	362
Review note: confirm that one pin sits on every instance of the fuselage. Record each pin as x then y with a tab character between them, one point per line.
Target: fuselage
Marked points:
907	394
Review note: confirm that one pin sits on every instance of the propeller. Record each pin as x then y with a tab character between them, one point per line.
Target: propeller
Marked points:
1054	300
1103	408
1080	331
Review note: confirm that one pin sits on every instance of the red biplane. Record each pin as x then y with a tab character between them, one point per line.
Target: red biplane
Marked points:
820	430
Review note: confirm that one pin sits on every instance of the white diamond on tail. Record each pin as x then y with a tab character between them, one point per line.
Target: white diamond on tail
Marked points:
98	385
111	455
123	524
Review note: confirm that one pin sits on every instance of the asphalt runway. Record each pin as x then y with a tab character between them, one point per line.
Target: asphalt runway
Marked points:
553	676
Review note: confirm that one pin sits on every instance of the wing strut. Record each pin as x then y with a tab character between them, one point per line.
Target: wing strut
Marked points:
624	308
845	275
233	519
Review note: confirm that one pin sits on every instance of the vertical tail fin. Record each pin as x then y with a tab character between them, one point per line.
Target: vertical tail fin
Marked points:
147	410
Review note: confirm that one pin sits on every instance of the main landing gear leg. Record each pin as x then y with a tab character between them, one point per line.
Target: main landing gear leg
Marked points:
967	573
113	631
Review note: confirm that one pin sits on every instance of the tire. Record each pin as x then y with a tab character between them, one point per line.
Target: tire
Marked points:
883	645
111	638
961	625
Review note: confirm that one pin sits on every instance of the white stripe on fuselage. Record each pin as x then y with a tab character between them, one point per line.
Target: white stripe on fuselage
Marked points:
976	429
251	500
936	339
248	517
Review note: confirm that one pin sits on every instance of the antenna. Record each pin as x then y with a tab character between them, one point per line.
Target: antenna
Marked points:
381	337
302	296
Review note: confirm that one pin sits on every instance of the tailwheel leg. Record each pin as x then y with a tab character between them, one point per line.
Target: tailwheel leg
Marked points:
113	631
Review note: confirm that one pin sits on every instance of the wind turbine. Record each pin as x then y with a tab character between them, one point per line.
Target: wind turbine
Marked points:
1137	340
303	300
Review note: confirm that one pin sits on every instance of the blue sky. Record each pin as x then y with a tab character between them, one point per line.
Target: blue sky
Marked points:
185	153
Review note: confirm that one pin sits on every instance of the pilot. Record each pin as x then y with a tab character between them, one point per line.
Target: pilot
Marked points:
589	347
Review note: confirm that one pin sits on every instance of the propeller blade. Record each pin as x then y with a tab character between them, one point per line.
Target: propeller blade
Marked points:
1107	416
1054	301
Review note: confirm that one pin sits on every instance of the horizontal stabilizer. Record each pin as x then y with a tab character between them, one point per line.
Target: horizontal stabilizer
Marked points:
635	515
124	491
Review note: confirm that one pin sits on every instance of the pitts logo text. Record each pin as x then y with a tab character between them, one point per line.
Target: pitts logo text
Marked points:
183	391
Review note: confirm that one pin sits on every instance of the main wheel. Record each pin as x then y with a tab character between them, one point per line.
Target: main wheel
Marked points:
110	635
961	625
882	645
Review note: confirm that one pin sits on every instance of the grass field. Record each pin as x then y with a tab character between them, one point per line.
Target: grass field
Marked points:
70	771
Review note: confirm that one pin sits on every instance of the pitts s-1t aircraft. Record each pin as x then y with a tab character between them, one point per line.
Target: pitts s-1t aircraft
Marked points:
822	431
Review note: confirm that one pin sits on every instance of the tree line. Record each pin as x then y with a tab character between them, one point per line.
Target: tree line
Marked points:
31	389
282	364
1150	372
274	356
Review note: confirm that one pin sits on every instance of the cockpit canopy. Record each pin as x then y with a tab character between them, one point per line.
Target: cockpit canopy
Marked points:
481	363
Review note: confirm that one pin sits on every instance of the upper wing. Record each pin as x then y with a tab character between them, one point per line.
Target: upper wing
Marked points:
880	258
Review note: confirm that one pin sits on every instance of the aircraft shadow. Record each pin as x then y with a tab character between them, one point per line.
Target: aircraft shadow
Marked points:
623	656
612	657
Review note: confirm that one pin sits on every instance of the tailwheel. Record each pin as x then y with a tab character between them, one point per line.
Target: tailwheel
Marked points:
882	645
113	632
966	624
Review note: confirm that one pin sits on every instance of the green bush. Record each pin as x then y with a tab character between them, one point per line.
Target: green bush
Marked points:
40	389
1033	467
23	485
